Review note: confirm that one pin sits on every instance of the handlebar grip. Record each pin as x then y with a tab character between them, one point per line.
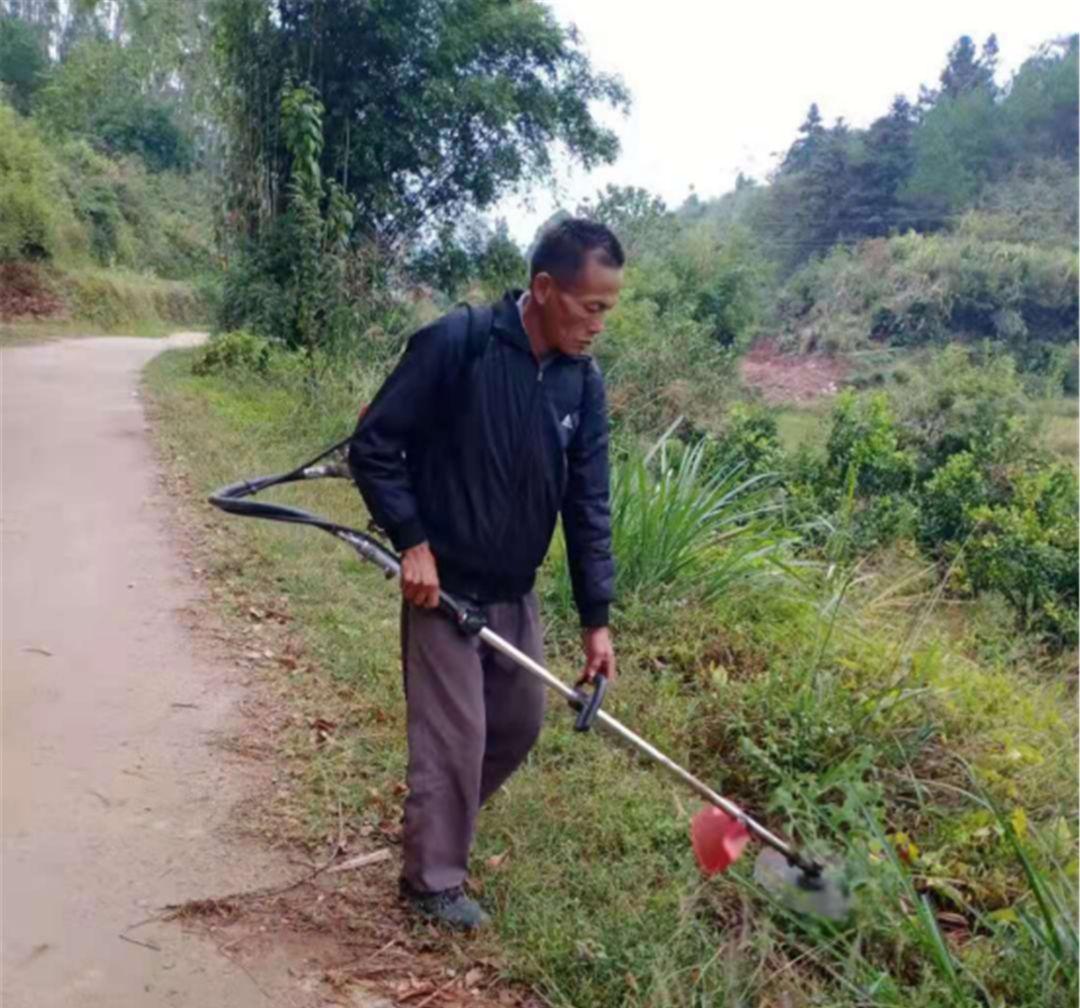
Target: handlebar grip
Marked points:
588	705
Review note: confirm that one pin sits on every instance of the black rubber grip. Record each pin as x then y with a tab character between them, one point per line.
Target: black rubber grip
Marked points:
588	705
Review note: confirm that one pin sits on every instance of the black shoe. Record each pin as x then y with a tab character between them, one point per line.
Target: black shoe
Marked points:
450	907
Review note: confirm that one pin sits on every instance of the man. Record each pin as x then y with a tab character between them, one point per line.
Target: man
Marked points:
492	425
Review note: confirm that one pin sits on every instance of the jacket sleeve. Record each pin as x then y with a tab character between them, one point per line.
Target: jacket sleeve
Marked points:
402	407
586	511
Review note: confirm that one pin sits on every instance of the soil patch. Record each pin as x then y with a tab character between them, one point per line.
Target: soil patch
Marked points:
785	378
24	293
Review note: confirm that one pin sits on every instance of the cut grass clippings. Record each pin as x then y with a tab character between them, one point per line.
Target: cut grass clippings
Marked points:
812	703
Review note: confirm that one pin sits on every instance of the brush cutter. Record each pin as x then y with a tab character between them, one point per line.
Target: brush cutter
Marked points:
719	832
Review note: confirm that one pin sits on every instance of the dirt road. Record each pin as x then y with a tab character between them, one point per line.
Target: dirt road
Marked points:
113	802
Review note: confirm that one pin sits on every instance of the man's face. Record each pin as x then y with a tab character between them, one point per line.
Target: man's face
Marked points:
574	313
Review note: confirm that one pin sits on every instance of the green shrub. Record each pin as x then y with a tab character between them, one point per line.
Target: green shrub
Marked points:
680	531
948	499
966	401
238	350
36	219
659	362
917	289
113	299
1026	549
749	438
97	92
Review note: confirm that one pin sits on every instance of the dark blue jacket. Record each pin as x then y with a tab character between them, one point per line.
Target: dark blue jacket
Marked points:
478	453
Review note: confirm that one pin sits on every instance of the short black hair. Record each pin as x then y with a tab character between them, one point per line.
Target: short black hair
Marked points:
563	247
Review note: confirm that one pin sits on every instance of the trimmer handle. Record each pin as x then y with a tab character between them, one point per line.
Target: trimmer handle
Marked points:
469	620
587	705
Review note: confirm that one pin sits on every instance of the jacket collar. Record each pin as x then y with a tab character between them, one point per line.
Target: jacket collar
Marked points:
506	323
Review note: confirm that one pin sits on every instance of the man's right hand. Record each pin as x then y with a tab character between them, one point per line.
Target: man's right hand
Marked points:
419	577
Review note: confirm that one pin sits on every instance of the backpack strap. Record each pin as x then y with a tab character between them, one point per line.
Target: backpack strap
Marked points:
479	330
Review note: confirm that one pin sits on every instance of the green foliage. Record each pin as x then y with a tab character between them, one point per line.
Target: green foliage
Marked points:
660	361
36	218
1040	109
68	202
862	488
750	438
500	266
292	286
955	150
419	124
231	352
917	289
922	165
684	529
97	93
640	219
864	446
470	257
967	401
24	60
1026	549
954	463
115	299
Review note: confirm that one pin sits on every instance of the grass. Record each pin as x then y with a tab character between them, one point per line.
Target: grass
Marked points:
806	427
22	333
1061	429
829	702
100	301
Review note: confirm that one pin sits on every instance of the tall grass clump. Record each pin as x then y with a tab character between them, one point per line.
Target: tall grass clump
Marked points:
681	529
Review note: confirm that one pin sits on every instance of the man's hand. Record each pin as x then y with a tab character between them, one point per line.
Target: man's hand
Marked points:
599	654
419	577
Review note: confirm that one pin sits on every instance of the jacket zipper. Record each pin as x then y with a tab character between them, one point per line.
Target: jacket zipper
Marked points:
533	435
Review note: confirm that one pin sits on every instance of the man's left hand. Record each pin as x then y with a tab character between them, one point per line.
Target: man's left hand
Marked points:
599	654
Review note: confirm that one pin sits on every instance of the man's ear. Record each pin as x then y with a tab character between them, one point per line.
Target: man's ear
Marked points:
540	288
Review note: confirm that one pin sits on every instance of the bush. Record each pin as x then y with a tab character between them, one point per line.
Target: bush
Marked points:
138	220
36	218
681	532
1026	549
113	299
918	289
966	401
98	93
238	350
750	439
659	363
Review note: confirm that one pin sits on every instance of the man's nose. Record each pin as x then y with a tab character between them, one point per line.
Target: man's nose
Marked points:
596	326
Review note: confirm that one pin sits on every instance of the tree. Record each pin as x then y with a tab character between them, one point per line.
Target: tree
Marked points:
811	136
432	106
965	71
886	165
99	92
1040	110
641	220
957	149
24	60
501	265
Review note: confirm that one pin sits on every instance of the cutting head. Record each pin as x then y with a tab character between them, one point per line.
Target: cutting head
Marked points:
824	892
718	839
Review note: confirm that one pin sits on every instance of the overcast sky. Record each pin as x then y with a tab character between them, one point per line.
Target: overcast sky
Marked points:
720	88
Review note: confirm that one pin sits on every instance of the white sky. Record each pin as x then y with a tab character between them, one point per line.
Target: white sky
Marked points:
720	87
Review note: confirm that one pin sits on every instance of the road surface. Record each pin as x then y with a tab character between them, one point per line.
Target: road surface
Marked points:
113	802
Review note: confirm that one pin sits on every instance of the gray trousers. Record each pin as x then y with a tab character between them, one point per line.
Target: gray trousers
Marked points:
472	718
